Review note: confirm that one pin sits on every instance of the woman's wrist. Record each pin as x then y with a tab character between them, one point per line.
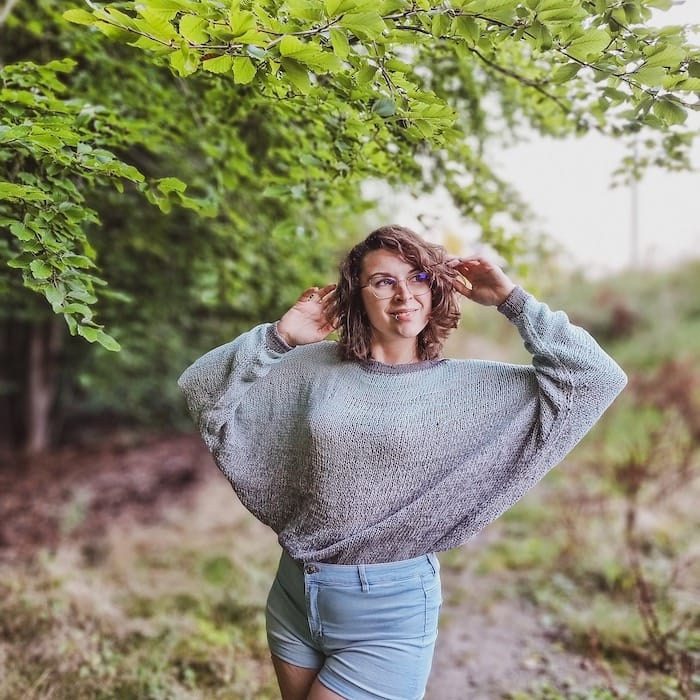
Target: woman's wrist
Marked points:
281	337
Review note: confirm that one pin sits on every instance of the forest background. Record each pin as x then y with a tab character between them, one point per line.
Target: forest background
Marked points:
175	171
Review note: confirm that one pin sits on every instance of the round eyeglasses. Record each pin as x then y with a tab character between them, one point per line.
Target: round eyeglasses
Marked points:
386	287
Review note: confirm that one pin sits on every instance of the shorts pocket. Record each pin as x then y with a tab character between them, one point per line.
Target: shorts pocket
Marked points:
432	591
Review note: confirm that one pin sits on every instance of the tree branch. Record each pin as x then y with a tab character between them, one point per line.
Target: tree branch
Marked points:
5	12
521	79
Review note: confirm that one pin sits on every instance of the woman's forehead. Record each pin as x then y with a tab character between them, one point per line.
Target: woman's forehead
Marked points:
387	261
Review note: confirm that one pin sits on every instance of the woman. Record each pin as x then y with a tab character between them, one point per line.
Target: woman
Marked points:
368	455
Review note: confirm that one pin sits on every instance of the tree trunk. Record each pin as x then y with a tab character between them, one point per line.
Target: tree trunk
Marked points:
28	371
43	343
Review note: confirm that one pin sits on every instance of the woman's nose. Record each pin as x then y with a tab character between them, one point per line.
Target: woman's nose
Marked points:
402	290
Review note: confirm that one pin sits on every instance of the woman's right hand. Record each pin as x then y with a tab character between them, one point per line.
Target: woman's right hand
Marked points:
306	322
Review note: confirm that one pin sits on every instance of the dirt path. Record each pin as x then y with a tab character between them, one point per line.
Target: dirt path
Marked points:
490	642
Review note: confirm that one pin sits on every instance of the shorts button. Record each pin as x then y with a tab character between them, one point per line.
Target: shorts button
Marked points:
311	569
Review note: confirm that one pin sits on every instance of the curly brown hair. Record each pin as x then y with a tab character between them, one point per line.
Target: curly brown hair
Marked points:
347	309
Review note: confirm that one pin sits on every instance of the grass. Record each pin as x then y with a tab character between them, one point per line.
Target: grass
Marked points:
169	612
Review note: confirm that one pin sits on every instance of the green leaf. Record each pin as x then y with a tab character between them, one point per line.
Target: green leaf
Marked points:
80	261
220	64
40	269
171	184
297	75
669	111
670	56
440	25
185	62
366	74
78	310
694	69
310	54
384	107
79	17
20	231
565	73
337	7
157	23
589	45
365	25
243	70
660	4
241	22
653	76
467	27
192	27
340	43
55	296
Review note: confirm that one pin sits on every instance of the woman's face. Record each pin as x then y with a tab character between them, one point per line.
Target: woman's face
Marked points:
401	316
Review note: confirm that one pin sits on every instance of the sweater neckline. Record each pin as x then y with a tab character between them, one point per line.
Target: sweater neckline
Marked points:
377	367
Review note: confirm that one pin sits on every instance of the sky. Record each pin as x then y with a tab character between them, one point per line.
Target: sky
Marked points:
574	202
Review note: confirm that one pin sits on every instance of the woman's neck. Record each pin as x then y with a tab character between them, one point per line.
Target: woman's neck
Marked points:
399	353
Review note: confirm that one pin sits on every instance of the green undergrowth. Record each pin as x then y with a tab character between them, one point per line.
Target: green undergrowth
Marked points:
156	617
606	547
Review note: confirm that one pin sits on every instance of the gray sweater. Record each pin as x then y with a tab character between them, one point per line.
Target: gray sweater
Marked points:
360	462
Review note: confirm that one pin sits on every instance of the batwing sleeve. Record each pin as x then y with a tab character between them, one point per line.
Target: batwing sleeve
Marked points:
575	380
216	384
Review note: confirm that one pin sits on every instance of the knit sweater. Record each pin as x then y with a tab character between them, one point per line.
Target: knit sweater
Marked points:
361	462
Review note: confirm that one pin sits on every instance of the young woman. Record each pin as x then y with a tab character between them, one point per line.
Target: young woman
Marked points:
370	454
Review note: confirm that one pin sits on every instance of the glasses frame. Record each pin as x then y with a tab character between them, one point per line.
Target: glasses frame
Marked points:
401	279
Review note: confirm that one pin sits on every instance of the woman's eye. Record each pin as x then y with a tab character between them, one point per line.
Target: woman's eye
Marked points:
385	282
420	277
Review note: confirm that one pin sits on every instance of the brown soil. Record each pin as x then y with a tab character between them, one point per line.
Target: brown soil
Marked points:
72	492
491	642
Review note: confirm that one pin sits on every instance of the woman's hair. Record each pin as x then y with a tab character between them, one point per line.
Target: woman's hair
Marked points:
347	309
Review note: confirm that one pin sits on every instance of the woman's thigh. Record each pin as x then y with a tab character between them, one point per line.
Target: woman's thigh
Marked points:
294	681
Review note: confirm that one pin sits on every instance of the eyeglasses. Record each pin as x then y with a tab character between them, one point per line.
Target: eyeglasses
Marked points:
386	287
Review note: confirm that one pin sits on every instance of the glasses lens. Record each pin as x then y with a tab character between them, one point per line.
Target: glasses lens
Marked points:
386	287
419	283
383	287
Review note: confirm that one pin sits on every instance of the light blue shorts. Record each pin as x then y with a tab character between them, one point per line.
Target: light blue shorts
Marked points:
369	628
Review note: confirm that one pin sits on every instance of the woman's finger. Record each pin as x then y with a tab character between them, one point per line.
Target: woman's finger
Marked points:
462	288
326	291
309	294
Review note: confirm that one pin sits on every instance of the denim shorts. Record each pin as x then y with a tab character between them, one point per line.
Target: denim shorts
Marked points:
369	628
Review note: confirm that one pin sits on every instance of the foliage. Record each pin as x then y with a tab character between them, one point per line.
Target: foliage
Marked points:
56	149
299	101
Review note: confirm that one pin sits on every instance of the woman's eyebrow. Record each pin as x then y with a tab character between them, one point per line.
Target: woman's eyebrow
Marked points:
391	274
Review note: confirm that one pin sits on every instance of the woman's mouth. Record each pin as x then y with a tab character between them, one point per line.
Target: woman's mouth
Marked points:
403	314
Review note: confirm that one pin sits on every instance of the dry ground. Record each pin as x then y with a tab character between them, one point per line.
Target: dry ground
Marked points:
102	502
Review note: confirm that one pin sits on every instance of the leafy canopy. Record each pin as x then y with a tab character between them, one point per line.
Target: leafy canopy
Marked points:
294	104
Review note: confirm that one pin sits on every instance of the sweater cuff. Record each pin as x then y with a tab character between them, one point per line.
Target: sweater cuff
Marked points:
274	341
514	303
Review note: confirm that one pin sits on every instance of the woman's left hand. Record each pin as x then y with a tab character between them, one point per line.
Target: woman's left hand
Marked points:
490	286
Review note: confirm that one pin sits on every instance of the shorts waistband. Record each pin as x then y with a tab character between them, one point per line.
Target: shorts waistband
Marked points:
367	573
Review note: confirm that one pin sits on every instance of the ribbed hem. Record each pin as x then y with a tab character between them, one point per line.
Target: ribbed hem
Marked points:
273	340
514	303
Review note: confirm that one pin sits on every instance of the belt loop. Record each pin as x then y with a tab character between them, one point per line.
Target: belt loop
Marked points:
363	577
434	562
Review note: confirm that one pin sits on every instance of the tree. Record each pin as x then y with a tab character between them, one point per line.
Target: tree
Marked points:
368	86
267	117
69	148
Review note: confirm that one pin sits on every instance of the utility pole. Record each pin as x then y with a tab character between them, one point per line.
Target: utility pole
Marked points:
634	213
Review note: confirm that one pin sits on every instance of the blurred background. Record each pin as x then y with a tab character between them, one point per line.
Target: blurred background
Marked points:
127	567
